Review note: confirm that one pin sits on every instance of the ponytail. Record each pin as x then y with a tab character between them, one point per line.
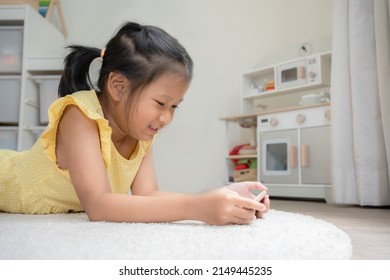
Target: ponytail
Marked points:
76	71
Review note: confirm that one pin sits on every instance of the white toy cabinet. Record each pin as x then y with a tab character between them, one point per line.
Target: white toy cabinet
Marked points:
31	61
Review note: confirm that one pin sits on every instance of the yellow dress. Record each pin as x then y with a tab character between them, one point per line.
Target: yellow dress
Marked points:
32	183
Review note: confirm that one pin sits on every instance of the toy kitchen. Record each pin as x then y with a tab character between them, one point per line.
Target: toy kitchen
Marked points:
293	146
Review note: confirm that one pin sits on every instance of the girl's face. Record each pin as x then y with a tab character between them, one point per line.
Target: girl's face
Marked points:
156	106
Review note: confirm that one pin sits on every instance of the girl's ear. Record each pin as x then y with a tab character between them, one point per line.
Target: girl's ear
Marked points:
117	85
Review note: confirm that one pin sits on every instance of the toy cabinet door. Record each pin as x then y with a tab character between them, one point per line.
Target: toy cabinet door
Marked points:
315	155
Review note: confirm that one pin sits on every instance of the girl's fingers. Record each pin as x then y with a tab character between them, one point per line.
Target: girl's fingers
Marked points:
248	203
243	216
267	203
259	214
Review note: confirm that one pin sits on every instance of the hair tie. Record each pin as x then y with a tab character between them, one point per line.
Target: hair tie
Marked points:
103	51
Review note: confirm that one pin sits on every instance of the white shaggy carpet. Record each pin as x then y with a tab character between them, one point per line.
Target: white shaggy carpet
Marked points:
279	235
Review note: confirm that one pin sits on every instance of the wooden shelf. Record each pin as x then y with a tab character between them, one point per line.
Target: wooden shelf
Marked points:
238	118
242	156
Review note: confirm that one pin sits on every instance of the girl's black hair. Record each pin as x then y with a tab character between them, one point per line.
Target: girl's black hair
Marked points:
141	53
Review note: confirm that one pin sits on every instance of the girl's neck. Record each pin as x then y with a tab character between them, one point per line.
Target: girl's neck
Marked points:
124	144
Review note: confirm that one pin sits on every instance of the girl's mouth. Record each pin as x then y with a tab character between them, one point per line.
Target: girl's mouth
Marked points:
153	129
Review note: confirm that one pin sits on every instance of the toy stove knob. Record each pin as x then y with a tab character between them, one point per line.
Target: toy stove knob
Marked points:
312	75
301	118
273	122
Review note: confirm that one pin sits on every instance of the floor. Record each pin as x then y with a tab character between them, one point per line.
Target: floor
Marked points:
368	227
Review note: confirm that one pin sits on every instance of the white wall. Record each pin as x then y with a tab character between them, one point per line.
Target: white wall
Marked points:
224	38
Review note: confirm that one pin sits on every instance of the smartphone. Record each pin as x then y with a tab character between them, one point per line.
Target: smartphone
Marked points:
261	195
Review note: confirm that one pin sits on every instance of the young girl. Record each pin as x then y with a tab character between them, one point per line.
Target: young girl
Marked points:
98	143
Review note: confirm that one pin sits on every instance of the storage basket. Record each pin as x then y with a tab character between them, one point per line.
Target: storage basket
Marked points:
9	99
11	47
8	138
245	175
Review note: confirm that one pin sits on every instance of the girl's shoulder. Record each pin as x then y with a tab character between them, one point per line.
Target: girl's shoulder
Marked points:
80	109
75	132
87	101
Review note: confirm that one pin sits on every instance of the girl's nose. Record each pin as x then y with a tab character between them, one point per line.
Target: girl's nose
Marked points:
166	117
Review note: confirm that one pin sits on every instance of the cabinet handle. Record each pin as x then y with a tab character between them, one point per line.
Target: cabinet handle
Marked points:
304	155
301	72
293	156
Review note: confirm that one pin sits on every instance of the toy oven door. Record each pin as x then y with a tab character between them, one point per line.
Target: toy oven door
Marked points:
278	157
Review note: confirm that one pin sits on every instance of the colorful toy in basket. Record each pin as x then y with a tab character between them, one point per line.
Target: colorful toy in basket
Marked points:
244	168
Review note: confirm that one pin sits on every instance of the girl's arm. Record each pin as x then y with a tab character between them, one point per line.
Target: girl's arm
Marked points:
78	150
145	183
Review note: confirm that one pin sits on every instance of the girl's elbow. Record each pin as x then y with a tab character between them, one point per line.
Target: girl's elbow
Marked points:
94	216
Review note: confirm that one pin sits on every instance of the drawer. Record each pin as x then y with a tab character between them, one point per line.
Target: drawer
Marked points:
11	48
8	138
9	99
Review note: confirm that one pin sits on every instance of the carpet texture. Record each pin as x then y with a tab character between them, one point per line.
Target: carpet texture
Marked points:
279	235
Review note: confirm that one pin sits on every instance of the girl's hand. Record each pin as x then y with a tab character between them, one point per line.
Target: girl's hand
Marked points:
230	205
244	189
267	203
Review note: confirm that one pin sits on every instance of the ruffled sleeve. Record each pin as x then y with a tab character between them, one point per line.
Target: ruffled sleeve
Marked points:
88	103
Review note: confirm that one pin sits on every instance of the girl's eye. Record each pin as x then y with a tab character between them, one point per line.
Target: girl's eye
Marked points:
160	103
163	104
